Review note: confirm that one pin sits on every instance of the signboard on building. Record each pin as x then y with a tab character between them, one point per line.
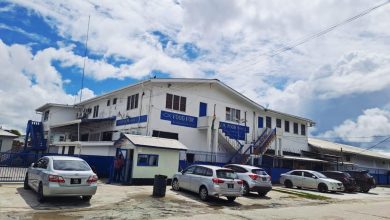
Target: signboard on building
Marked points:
132	120
179	119
234	131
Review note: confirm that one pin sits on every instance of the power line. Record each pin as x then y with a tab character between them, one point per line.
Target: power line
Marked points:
297	43
375	145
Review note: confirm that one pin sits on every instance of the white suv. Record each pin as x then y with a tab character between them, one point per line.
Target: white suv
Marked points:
255	179
311	180
208	181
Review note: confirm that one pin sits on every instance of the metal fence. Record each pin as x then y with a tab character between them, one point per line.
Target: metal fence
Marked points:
13	166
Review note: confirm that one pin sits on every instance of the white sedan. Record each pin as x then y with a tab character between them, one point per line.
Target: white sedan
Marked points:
61	176
311	180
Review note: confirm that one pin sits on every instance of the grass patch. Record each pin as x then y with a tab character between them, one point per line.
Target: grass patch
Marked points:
303	194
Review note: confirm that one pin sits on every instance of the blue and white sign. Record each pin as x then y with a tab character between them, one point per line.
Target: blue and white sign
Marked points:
179	119
132	120
234	131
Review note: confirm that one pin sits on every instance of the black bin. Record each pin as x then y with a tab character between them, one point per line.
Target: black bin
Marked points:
159	185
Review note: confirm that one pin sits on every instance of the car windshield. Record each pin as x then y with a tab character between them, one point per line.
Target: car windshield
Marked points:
347	175
71	165
319	175
259	172
226	174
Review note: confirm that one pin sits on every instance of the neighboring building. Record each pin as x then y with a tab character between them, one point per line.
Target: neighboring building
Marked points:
213	120
346	157
6	139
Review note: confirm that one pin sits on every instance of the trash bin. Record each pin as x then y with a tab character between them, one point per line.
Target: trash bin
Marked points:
159	185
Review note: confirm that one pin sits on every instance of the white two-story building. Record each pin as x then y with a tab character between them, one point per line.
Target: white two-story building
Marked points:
213	120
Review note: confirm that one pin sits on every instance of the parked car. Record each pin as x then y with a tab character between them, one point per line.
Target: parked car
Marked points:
255	179
347	180
311	180
363	179
209	181
61	176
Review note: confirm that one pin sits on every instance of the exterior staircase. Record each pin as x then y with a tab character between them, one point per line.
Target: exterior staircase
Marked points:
233	145
34	131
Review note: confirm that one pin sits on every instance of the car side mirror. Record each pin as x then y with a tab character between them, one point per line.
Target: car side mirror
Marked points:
32	164
314	177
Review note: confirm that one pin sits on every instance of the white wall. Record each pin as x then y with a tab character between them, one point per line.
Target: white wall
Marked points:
194	138
168	163
6	143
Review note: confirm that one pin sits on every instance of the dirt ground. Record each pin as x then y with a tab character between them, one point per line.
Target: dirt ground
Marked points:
136	202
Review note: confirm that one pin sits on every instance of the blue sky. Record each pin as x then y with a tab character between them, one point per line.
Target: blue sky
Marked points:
340	80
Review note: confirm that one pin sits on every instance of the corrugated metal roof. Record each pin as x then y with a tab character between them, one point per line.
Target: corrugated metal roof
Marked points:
6	133
336	147
303	159
147	141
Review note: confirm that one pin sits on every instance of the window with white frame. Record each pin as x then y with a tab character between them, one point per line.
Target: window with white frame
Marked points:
175	102
147	160
233	114
132	101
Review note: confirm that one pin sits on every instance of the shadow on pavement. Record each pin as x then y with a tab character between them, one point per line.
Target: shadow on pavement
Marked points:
212	201
51	203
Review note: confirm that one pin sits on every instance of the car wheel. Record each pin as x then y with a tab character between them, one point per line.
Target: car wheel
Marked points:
365	189
245	190
262	194
175	185
25	185
41	197
298	187
322	188
86	198
288	184
203	193
231	198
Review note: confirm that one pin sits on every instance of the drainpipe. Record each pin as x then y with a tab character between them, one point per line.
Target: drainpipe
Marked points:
150	109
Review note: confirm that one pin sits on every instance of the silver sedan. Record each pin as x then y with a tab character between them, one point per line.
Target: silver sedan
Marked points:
61	176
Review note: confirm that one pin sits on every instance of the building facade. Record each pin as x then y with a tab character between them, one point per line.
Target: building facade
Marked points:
204	114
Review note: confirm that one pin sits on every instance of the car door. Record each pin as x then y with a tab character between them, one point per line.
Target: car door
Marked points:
33	174
197	178
309	180
185	178
296	178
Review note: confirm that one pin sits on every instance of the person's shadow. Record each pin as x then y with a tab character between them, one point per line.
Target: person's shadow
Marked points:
51	203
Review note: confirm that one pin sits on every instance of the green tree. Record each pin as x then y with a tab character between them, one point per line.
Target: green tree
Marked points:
16	132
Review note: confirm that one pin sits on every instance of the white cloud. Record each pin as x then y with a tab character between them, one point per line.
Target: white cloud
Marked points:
373	122
28	82
235	38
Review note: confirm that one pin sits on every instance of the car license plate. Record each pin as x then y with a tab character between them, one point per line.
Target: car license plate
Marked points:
264	178
75	181
230	185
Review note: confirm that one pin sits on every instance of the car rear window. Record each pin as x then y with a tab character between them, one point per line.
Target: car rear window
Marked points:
71	165
259	172
226	174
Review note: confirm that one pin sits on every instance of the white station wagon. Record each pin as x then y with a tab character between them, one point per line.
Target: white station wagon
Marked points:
311	180
61	176
209	181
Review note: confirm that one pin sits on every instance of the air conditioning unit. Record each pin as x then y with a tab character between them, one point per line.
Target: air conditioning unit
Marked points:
88	110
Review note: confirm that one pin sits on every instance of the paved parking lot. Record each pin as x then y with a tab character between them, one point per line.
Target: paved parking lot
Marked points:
136	202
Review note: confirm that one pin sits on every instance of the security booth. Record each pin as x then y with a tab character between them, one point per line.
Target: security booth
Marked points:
145	156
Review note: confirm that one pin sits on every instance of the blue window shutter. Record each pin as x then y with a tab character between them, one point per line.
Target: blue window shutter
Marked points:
202	109
260	123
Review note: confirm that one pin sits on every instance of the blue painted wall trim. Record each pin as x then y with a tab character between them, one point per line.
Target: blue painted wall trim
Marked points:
132	120
260	122
202	109
180	119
